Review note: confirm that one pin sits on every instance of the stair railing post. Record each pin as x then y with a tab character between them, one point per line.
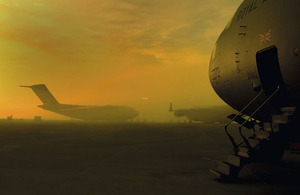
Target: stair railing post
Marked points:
250	117
239	114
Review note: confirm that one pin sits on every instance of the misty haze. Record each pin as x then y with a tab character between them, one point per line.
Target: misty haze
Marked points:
149	97
110	53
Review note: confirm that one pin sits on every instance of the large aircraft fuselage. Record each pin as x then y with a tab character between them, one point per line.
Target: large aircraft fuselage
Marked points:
259	49
208	114
95	113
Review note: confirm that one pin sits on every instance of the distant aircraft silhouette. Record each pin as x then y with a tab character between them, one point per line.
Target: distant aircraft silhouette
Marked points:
213	114
89	113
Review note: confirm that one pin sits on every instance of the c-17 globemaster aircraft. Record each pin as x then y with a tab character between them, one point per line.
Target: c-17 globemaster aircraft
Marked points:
255	68
88	113
213	114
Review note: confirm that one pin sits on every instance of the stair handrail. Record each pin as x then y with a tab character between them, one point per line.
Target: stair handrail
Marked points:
235	146
250	117
278	87
239	114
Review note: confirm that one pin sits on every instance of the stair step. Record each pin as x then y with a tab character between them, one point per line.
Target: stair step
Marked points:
271	126
288	110
216	172
227	169
281	119
243	152
240	120
261	135
224	177
224	168
253	142
234	160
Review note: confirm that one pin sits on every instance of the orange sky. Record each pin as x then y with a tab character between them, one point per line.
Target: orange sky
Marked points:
114	52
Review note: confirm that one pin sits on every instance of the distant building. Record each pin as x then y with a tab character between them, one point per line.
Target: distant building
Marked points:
37	118
10	118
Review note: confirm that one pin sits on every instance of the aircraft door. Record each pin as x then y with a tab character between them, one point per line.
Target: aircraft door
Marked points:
270	74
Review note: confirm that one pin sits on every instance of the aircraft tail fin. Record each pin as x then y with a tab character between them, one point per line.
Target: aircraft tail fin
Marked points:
171	107
44	94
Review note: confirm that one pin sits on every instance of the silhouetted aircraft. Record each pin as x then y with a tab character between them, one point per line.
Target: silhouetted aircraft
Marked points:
89	113
255	68
213	114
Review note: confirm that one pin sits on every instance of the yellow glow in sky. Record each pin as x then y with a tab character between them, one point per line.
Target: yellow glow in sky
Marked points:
116	52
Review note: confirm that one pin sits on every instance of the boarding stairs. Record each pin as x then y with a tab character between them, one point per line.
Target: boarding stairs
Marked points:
256	147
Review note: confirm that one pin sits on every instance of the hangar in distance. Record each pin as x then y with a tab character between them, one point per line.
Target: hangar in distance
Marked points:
88	113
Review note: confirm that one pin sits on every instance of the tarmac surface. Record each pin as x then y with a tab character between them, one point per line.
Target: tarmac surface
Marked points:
81	158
